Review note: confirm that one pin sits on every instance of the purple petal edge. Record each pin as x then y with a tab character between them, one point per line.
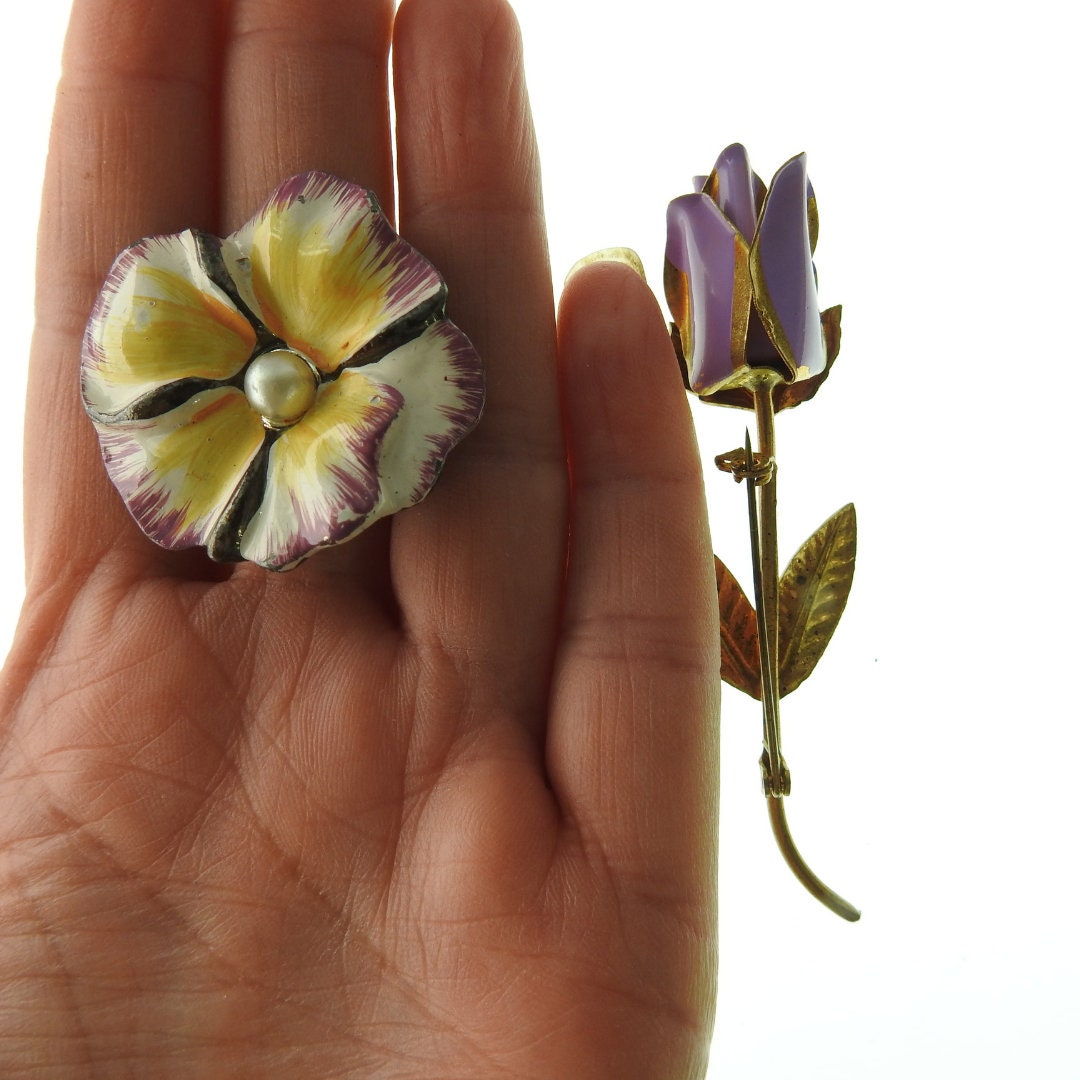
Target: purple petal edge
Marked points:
783	274
735	190
467	378
704	245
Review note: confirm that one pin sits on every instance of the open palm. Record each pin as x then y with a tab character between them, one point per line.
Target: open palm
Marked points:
440	803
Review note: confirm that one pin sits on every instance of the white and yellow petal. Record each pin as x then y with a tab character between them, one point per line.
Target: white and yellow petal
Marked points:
178	472
373	444
159	320
322	481
324	270
440	378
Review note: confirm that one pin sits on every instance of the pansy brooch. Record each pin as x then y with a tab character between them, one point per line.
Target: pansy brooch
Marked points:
281	390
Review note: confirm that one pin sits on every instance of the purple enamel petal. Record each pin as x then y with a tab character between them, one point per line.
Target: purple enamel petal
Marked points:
705	247
783	275
732	186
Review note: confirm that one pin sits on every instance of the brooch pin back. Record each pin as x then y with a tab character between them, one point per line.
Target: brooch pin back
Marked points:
281	390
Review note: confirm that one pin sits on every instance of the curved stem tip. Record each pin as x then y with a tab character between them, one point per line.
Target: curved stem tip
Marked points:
814	885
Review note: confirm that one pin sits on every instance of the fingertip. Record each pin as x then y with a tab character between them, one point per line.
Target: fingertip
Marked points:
620	255
614	344
600	288
445	24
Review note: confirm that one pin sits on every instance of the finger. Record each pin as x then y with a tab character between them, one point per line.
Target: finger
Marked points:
477	567
632	742
121	167
306	88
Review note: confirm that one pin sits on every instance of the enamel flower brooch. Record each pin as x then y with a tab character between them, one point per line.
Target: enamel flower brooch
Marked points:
741	285
280	390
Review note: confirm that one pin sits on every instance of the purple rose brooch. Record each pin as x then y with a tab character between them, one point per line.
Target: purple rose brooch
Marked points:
281	390
740	282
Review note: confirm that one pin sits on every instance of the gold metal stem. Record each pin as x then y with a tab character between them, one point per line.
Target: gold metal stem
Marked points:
776	779
814	885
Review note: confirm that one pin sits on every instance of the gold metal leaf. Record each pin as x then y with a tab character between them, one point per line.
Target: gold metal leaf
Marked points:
813	592
739	665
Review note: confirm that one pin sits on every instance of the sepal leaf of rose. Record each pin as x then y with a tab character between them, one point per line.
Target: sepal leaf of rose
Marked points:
785	395
813	593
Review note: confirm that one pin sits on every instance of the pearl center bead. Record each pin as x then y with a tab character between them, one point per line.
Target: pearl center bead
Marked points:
280	386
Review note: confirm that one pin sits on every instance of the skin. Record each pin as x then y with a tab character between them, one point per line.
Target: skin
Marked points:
441	802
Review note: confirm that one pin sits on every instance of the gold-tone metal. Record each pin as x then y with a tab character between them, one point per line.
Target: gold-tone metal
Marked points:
677	292
771	647
766	566
775	775
813	593
812	222
813	884
735	461
739	664
787	394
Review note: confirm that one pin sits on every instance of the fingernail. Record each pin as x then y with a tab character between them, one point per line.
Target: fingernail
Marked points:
626	256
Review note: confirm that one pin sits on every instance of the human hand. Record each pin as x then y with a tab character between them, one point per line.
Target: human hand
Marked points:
440	802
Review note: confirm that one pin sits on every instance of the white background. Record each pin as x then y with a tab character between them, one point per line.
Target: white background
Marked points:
934	750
